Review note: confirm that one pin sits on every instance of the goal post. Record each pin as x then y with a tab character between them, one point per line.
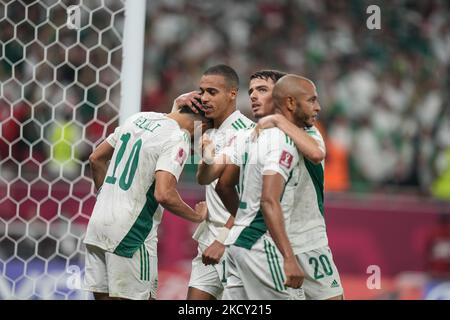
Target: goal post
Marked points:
70	72
133	57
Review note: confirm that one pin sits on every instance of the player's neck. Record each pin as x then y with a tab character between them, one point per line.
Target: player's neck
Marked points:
219	120
182	121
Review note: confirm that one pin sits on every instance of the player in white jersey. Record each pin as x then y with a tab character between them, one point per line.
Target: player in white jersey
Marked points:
147	155
218	90
307	230
258	241
260	92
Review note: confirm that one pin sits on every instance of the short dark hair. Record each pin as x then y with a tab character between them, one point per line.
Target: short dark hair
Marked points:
225	71
275	75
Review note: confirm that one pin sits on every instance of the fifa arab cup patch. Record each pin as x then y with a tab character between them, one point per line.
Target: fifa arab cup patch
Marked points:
286	159
181	156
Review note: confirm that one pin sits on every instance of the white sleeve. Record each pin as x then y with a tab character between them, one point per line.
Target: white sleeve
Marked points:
315	134
113	137
173	156
279	154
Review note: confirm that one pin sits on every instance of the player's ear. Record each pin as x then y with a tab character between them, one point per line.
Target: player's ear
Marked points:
233	93
291	103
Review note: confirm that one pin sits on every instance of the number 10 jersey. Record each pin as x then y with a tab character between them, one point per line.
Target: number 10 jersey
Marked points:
126	214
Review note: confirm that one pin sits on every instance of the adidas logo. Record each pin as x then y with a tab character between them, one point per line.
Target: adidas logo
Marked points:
334	284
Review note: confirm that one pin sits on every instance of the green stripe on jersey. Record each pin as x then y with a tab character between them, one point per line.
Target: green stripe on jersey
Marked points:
242	123
316	173
288	140
235	126
252	233
186	137
258	226
312	132
141	227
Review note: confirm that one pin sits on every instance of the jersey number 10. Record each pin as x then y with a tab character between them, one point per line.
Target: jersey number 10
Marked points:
127	176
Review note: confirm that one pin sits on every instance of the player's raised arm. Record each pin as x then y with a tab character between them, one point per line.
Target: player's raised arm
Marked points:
167	195
190	99
306	144
273	185
99	162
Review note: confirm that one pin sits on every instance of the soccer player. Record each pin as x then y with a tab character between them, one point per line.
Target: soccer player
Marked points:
307	230
147	155
260	261
218	89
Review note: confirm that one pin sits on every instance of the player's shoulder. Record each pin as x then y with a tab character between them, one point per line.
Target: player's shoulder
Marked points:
274	138
239	121
314	132
276	135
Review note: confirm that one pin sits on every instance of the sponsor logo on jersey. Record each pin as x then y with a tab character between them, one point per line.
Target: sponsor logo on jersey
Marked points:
286	159
334	284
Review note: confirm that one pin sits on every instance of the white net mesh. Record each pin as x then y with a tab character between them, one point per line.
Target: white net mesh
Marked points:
60	92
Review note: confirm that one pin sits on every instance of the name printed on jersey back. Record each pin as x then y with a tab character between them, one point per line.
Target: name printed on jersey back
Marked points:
147	124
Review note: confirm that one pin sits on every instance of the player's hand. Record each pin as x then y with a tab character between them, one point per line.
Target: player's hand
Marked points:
270	121
213	253
190	99
263	123
294	273
207	148
201	210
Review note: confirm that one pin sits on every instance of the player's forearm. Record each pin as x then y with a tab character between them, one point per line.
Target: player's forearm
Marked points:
207	173
273	217
172	201
229	197
230	222
306	144
98	169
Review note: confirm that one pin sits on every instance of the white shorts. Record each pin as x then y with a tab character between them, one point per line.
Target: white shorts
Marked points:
133	278
322	279
256	274
210	279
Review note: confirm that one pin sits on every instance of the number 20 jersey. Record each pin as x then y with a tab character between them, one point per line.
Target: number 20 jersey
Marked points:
126	214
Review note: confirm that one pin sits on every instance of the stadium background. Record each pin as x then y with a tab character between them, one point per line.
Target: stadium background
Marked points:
385	115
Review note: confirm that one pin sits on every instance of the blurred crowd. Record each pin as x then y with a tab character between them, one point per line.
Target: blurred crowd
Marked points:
384	93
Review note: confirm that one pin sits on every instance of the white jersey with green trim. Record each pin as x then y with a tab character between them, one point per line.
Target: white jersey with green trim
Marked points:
274	151
307	230
126	213
218	215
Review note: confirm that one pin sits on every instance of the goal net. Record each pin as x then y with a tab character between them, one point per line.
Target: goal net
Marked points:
60	78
